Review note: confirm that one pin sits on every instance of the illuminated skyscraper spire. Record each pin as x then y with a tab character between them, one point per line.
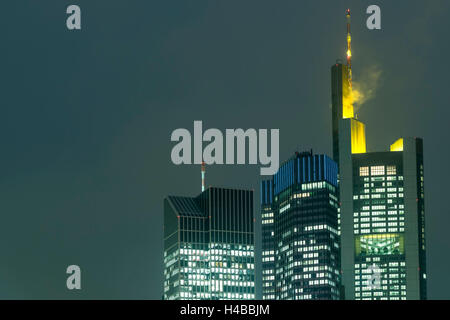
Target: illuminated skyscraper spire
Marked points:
203	176
349	48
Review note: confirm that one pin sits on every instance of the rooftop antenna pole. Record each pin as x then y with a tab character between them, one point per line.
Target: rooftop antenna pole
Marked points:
203	175
349	48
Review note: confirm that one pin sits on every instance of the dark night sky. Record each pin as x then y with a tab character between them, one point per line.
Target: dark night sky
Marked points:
86	118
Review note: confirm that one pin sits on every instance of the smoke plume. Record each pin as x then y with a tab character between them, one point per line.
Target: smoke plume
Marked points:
365	88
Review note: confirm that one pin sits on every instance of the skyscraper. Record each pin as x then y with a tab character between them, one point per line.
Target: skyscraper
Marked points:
209	246
382	204
382	219
300	230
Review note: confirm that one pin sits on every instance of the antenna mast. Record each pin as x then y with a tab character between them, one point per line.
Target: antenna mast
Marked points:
349	48
203	175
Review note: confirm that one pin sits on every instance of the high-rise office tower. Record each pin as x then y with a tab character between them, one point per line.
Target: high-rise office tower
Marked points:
268	241
209	246
382	206
382	220
300	257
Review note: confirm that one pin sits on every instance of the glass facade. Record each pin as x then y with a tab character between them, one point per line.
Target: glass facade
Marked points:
379	226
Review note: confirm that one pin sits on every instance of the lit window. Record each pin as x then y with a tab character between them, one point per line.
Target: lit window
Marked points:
363	171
